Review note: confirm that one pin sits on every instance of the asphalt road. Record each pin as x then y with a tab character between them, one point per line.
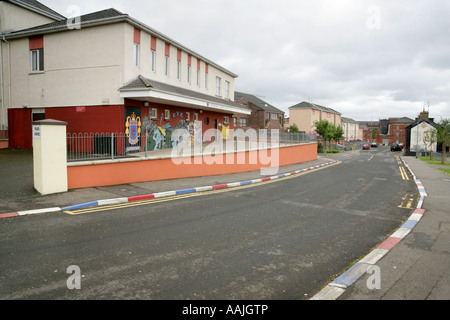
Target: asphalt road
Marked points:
282	240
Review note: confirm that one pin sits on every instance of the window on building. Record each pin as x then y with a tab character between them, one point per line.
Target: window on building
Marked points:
167	114
154	113
166	65
167	59
227	90
226	120
153	54
189	74
267	115
188	116
136	54
274	116
37	60
198	72
153	60
206	75
36	46
218	86
179	70
137	41
235	122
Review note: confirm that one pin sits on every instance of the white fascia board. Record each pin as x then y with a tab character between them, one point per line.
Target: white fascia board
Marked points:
155	94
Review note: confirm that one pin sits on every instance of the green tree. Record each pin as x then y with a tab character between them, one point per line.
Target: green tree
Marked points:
338	133
293	128
325	130
374	134
443	136
430	138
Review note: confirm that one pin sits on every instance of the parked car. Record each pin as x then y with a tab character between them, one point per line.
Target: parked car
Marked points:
396	147
374	145
366	146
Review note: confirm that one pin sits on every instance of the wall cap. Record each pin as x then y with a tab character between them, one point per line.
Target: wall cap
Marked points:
50	122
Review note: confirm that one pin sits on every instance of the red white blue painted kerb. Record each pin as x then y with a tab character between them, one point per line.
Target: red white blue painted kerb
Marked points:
337	287
160	194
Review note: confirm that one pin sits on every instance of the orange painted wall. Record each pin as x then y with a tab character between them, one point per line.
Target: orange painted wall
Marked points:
163	169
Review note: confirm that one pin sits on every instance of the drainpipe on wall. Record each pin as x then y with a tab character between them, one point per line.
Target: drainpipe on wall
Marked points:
1	82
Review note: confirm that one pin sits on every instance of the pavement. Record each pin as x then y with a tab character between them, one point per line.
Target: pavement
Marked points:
412	264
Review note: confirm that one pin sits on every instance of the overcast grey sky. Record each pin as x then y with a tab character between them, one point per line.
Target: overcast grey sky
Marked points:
368	60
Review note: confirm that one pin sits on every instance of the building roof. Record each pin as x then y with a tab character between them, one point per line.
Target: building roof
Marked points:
141	83
348	120
419	121
37	7
403	120
256	101
103	17
308	105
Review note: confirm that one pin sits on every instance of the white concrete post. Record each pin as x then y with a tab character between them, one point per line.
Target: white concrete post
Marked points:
50	156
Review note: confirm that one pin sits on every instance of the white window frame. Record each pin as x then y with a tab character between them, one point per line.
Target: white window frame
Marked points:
206	81
36	57
188	116
227	90
154	113
218	86
167	114
136	50
153	60
178	70
166	66
189	74
226	120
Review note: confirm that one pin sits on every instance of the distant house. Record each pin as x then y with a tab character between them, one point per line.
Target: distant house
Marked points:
264	115
305	114
351	129
414	135
368	129
397	130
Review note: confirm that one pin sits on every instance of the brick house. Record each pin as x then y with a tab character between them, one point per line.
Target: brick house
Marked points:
263	116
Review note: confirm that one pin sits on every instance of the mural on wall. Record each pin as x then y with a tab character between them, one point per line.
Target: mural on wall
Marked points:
160	136
133	129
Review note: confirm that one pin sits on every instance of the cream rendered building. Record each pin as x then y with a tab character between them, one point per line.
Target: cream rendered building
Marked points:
108	59
17	15
305	114
351	129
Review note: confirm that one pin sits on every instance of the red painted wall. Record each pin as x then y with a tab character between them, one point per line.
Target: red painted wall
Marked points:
86	176
95	119
19	126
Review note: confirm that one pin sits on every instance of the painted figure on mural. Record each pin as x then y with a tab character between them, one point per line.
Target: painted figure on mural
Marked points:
133	131
160	137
